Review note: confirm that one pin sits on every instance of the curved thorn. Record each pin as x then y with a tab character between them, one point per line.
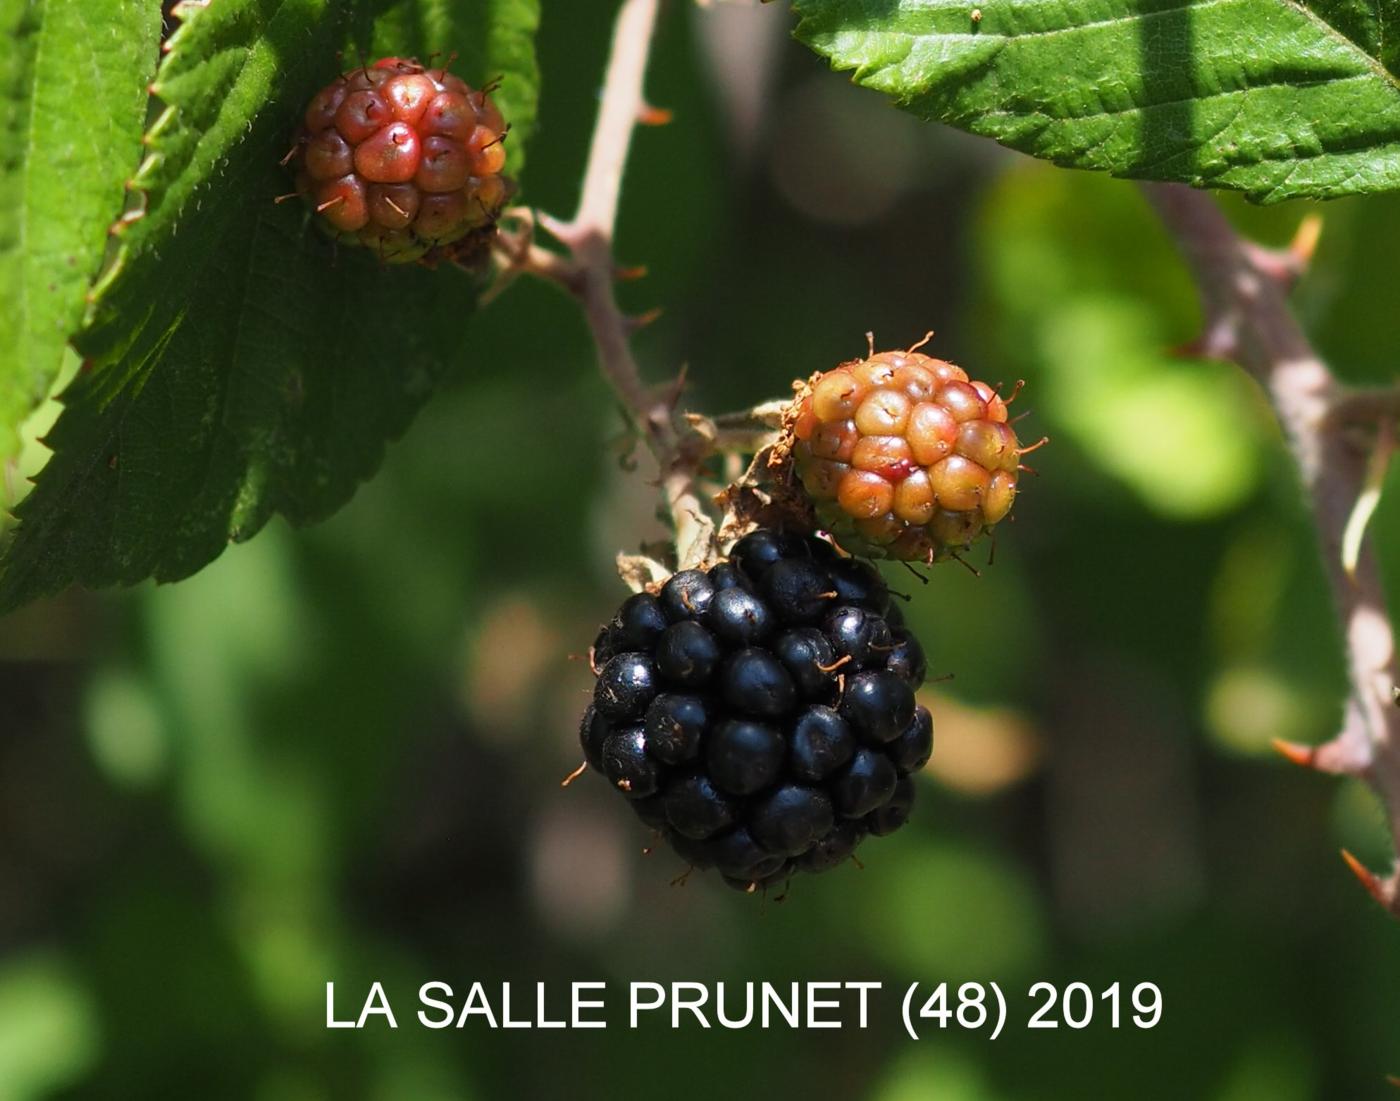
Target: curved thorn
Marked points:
1304	756
1369	498
642	320
1375	886
1305	238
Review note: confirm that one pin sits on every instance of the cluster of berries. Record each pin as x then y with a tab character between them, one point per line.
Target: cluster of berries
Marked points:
404	160
903	456
761	714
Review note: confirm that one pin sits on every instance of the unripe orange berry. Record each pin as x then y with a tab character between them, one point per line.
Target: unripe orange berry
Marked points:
903	455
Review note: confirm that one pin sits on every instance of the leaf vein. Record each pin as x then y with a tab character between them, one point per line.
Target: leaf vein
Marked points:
1221	94
1372	63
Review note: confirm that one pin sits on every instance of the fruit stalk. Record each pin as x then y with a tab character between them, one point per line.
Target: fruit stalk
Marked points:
1248	321
591	269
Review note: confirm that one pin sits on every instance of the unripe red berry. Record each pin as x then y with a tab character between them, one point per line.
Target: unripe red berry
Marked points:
404	160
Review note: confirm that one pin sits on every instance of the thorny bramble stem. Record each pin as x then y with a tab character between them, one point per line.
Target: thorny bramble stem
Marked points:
1247	320
590	269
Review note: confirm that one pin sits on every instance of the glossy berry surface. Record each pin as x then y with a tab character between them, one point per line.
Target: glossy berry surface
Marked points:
628	765
914	746
687	595
675	724
696	809
687	654
820	743
878	705
760	714
906	658
860	635
404	160
894	812
638	623
810	660
791	819
754	682
864	785
904	456
625	686
738	617
744	756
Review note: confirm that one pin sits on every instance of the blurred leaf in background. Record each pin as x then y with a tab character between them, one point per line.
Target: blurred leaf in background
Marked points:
48	1027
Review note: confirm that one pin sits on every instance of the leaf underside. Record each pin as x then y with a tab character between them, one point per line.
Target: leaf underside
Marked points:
1279	99
240	364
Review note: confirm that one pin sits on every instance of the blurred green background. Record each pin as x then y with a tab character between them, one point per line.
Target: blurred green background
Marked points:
335	753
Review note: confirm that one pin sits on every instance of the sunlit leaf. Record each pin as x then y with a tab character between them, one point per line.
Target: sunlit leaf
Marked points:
1276	98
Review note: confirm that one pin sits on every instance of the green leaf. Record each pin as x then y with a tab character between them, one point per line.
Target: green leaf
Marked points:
1277	98
1090	324
241	366
235	82
72	106
278	401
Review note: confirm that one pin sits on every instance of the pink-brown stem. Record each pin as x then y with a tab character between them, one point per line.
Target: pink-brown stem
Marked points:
1248	320
590	270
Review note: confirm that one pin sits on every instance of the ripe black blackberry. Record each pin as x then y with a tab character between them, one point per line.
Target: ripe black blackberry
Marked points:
761	714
